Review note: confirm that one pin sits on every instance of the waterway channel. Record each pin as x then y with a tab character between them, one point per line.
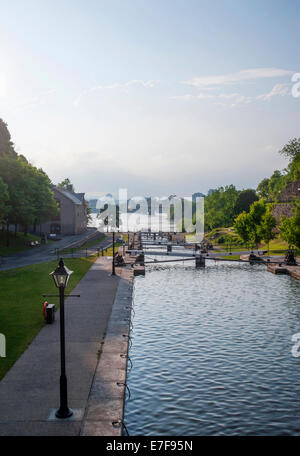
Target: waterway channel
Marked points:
211	351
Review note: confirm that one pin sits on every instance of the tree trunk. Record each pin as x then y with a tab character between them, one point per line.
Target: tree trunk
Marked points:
7	234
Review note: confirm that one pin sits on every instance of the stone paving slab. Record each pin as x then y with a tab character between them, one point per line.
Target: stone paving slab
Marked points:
30	389
105	410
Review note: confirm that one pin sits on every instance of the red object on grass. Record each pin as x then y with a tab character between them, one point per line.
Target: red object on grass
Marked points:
44	309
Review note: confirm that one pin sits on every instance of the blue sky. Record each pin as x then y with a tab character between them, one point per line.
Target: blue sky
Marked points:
158	97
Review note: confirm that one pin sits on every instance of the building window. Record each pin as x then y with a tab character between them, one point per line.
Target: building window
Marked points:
55	228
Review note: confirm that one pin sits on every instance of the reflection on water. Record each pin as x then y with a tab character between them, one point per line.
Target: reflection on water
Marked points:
211	352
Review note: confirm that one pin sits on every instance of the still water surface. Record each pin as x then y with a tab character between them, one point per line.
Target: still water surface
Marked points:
211	352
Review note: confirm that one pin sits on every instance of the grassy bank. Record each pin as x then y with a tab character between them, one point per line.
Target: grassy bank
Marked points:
106	251
231	257
17	243
21	303
87	245
222	237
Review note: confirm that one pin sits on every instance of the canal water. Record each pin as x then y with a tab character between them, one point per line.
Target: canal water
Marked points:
211	352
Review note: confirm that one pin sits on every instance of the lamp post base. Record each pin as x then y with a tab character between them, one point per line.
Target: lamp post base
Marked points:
64	413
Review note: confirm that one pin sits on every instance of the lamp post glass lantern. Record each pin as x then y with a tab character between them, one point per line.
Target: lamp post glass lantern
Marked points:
61	277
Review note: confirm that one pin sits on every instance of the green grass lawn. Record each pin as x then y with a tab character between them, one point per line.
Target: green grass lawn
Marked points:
106	252
231	257
109	251
85	246
16	244
21	303
277	245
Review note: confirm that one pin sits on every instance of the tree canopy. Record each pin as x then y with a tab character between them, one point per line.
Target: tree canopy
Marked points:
225	203
65	184
26	195
256	225
270	188
290	227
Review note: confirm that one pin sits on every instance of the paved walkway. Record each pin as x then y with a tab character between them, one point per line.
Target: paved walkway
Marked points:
44	252
30	390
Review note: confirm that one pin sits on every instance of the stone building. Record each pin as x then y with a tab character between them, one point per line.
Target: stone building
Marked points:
291	191
72	217
284	204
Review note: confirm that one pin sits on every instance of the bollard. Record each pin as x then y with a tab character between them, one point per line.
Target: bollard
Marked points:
102	251
200	261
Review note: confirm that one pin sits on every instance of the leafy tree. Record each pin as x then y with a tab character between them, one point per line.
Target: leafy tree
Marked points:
65	184
6	146
263	188
256	225
290	227
241	226
266	227
244	200
12	174
3	200
219	207
256	213
89	217
44	205
271	188
292	149
27	190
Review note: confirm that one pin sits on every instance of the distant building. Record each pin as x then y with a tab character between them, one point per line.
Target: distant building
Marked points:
72	217
197	195
93	205
210	191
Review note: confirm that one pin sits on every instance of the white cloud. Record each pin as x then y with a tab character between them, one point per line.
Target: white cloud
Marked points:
278	90
233	98
116	85
232	78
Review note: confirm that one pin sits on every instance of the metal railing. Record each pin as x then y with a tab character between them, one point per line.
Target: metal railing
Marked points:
82	252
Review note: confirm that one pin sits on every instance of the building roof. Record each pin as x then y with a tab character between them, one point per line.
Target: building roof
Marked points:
80	196
76	198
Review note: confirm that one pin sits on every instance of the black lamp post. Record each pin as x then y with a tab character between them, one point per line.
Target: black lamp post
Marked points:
113	258
61	277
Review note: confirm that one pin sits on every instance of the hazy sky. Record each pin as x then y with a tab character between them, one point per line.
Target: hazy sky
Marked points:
156	96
